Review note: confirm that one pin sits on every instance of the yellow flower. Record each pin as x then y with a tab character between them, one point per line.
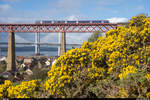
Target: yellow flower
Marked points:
126	71
123	93
63	96
147	77
148	95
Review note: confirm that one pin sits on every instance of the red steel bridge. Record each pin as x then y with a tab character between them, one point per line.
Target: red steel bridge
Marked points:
58	27
49	28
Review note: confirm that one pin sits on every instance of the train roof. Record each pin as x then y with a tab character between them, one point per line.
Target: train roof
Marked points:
72	20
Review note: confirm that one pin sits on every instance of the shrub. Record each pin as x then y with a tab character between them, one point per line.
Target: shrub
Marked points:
38	74
2	66
118	59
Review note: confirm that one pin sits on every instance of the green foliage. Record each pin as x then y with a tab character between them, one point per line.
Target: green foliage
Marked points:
138	20
16	83
95	36
2	66
1	79
38	74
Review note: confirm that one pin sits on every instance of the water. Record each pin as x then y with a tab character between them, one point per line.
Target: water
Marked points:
30	50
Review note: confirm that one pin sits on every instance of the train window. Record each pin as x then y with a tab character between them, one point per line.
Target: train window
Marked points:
59	21
97	21
71	21
46	22
106	21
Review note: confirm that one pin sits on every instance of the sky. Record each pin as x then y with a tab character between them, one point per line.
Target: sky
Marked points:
28	11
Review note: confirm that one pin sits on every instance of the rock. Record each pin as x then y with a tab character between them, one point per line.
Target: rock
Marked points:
29	72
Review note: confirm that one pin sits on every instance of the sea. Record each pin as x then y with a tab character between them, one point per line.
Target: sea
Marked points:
30	50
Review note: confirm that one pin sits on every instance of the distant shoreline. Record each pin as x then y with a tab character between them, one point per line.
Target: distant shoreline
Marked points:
30	51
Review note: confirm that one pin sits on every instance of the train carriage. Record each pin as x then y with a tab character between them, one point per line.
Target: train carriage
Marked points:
63	21
71	21
83	21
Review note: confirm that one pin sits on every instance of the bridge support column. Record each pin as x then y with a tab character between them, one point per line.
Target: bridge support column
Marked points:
63	43
59	38
37	46
11	57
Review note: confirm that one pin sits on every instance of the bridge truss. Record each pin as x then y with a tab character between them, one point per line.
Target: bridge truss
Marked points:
49	28
55	28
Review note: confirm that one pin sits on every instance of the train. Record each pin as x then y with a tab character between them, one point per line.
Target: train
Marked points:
63	21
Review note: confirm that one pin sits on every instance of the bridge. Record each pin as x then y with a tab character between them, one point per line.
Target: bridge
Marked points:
49	28
33	44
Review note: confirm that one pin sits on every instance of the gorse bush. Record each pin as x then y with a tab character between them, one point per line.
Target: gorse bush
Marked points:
120	57
116	65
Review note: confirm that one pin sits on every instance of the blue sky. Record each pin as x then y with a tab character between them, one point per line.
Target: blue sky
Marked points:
31	10
27	11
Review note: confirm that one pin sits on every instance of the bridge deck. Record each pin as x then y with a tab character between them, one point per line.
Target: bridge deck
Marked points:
58	27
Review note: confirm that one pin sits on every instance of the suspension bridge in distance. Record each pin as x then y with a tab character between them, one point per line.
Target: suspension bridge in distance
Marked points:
33	44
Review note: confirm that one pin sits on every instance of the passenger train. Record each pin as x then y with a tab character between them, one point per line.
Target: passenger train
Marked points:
63	21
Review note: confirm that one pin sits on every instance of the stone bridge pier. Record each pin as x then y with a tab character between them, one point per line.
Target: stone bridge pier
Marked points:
63	43
11	57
